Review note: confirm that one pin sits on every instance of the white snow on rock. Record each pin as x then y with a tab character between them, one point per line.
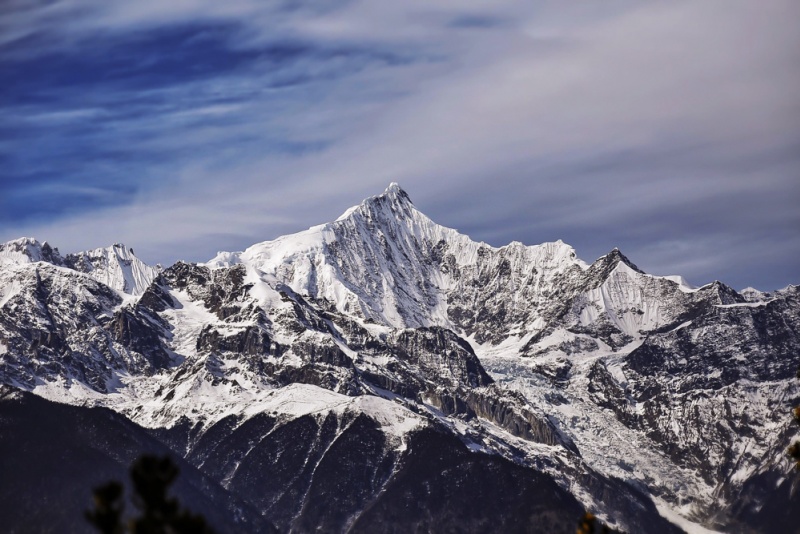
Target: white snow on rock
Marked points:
26	250
378	260
115	266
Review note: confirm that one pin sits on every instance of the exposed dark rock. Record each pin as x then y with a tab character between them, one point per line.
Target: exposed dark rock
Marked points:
510	411
440	355
137	333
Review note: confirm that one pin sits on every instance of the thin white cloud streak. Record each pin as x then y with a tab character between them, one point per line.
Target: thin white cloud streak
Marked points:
601	93
598	94
73	22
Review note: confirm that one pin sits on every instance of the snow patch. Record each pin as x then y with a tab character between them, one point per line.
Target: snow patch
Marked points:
674	517
744	304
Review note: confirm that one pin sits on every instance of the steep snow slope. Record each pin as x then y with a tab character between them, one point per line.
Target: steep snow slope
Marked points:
385	261
115	266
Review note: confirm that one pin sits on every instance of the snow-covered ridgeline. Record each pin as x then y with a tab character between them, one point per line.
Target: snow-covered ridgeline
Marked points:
633	301
385	260
115	266
27	250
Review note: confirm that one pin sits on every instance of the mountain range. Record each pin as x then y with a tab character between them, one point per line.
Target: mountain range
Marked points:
384	373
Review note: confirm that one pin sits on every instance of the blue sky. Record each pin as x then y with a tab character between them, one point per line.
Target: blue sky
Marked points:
667	129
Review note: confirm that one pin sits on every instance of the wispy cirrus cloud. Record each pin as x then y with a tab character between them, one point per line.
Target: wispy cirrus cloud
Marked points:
667	129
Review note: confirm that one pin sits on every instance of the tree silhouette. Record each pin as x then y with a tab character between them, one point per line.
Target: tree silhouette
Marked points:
108	508
160	514
794	449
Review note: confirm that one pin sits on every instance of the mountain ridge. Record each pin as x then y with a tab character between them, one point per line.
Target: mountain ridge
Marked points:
526	353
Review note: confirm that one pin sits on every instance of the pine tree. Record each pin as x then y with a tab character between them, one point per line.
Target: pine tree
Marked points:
160	514
794	449
108	508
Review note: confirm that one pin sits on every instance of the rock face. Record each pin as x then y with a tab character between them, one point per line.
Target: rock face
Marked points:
382	373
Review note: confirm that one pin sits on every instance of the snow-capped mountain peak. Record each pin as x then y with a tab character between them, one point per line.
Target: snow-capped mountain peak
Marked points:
28	250
115	266
386	261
